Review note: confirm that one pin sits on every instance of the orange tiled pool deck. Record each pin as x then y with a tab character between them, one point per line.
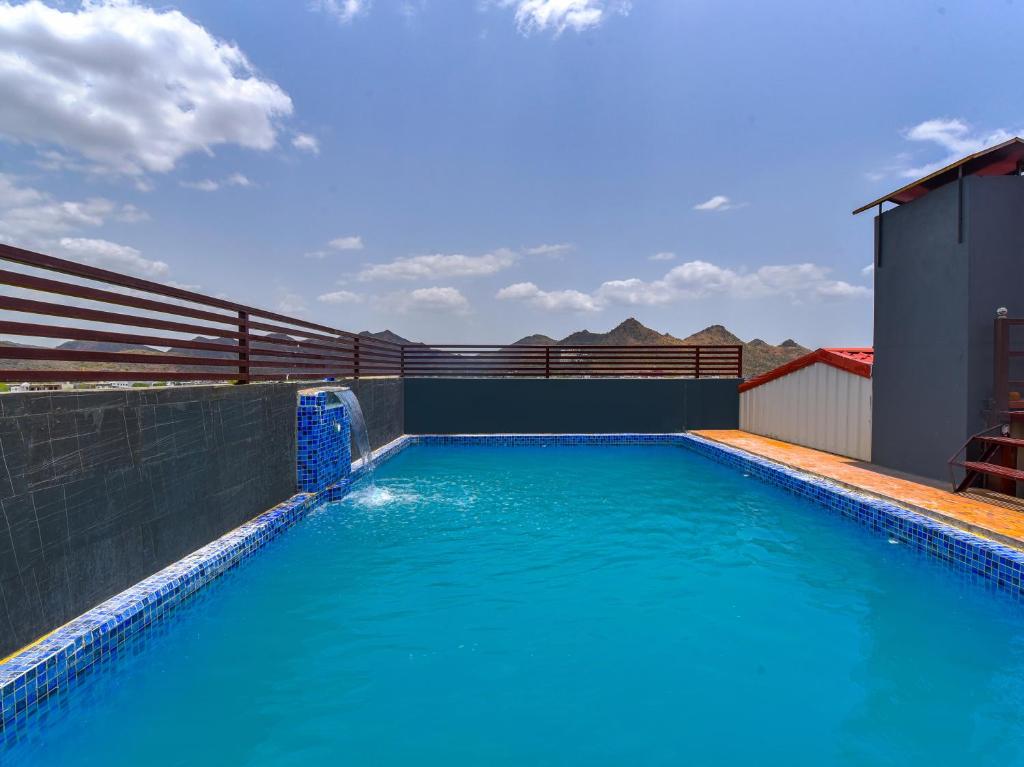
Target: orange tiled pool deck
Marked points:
1004	525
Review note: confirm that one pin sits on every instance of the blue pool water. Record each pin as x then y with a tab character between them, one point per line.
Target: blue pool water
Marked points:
563	606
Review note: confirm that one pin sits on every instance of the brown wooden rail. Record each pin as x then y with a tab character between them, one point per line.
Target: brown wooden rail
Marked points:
146	331
473	360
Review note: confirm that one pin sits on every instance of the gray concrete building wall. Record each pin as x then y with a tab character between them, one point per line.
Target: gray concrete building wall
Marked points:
935	302
100	489
568	405
919	399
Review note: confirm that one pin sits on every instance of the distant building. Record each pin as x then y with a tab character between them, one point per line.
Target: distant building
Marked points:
39	386
946	258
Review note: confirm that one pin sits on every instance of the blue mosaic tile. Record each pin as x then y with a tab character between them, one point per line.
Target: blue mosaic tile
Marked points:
999	566
512	440
323	441
52	665
40	674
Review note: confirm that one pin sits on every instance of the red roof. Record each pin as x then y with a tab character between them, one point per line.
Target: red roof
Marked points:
853	360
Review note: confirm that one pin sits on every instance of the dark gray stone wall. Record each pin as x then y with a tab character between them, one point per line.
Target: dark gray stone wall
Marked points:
546	406
383	404
935	301
100	489
919	379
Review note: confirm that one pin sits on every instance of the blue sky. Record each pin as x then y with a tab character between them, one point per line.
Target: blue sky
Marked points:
479	170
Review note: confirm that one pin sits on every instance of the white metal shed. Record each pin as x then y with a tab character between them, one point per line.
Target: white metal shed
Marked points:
821	400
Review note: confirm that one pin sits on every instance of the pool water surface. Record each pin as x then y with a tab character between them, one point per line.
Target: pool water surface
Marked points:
562	605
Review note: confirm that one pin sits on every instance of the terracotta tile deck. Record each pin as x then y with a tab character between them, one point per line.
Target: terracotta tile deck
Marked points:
924	496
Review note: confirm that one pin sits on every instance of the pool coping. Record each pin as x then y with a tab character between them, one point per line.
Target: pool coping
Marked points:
55	662
936	510
995	563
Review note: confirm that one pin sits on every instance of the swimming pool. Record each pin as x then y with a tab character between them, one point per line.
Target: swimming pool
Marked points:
562	605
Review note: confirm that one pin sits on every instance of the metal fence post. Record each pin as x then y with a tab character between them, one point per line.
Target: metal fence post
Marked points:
355	358
547	362
243	348
1001	366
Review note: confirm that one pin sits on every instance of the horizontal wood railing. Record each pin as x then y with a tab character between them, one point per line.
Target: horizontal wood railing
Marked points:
476	360
106	326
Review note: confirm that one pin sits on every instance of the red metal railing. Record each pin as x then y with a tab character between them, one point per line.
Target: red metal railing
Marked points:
211	339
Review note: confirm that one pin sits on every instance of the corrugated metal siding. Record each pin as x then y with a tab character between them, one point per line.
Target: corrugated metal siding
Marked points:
819	406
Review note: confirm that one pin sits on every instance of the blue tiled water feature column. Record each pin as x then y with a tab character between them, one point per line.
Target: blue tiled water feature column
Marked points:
323	440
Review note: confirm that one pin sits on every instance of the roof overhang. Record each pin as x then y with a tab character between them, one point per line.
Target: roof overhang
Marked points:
857	361
999	160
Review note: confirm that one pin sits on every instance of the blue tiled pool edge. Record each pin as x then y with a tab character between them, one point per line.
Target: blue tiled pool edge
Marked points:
49	667
1000	565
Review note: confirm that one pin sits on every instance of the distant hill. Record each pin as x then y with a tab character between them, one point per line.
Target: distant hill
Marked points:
386	335
538	339
758	355
626	333
106	346
712	335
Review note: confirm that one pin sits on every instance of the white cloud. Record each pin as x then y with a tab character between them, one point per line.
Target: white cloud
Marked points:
291	303
204	185
352	242
840	289
559	15
868	271
443	300
306	143
12	195
33	218
110	255
554	250
129	214
209	185
554	300
440	265
347	243
343	10
340	297
663	256
129	89
695	280
954	136
717	203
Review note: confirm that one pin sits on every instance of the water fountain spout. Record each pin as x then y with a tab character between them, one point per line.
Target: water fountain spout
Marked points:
360	434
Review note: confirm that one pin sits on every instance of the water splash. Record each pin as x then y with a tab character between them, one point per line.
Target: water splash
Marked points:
360	434
374	497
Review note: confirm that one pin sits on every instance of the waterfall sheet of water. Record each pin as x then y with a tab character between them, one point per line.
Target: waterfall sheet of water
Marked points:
360	434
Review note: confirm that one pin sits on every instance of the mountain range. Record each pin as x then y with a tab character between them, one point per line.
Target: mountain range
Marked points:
758	356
